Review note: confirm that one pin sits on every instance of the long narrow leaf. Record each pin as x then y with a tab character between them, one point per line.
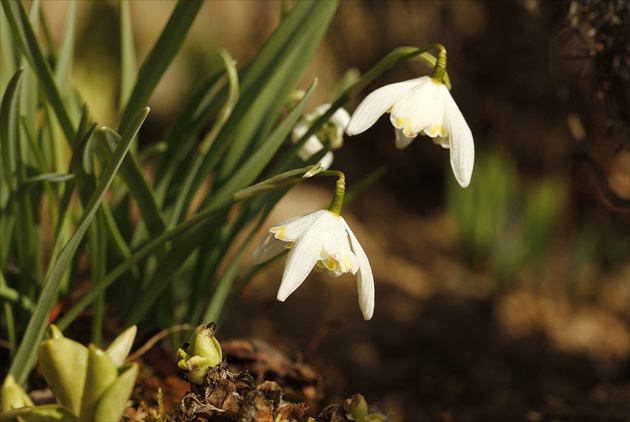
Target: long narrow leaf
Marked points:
9	52
66	48
26	354
138	185
27	41
22	207
193	239
127	54
186	194
160	57
63	65
272	76
292	177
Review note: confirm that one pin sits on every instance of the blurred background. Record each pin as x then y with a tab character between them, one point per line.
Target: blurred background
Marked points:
508	300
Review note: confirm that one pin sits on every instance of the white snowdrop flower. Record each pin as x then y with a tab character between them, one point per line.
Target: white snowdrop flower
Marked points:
320	239
331	131
421	106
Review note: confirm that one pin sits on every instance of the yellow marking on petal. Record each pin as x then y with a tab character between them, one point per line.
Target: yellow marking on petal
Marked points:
330	264
289	245
409	133
347	265
436	130
400	122
279	231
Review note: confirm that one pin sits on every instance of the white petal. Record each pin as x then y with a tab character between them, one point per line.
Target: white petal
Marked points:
299	130
365	278
461	143
302	258
268	248
443	142
311	147
402	140
421	110
340	118
376	104
327	160
292	228
320	110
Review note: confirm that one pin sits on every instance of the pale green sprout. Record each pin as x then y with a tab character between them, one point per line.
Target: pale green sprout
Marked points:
422	106
205	353
13	396
89	383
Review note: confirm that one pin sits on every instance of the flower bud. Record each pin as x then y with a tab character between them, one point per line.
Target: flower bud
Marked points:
12	396
356	408
205	353
64	366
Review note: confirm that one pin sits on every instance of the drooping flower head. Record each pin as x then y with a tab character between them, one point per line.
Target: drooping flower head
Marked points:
421	106
331	133
320	239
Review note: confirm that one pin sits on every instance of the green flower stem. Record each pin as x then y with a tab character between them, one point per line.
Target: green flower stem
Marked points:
393	58
440	67
340	191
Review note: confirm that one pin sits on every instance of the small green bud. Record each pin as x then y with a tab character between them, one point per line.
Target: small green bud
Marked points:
121	346
12	396
113	401
53	333
356	408
205	353
101	375
64	366
90	384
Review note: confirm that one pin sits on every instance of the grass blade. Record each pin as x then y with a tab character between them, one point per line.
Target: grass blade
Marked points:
191	240
138	185
160	57
127	54
27	41
159	242
26	354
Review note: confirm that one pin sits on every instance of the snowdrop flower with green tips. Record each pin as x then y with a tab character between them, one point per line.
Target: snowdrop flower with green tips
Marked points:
421	106
331	133
324	240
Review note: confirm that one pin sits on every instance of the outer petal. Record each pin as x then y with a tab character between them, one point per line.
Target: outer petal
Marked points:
302	258
421	110
365	278
268	248
462	144
376	104
443	142
402	140
293	228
